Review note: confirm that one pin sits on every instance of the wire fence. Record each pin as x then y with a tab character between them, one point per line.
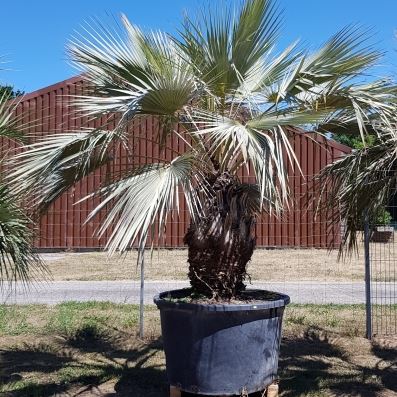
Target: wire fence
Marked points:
302	267
296	254
383	273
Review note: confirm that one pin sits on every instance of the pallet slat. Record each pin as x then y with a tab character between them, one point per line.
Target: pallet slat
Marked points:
271	391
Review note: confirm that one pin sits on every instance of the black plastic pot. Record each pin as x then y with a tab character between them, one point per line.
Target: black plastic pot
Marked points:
221	349
382	234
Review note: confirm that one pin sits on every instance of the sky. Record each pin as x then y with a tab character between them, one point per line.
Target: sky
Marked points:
33	34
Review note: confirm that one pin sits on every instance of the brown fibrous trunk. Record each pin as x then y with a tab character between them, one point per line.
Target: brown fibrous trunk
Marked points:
221	243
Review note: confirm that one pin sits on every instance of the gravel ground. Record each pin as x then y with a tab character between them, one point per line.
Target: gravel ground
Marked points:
122	291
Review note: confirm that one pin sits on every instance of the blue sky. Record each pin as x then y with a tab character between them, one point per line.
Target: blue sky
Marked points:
33	34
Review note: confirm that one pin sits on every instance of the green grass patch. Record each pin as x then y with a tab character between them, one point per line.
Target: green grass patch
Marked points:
343	319
14	320
67	318
71	319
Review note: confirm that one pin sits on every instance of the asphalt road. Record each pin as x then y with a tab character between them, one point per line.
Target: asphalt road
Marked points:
128	291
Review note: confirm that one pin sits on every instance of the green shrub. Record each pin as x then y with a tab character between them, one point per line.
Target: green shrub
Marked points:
383	217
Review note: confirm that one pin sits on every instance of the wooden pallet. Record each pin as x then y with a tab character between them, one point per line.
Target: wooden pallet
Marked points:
270	391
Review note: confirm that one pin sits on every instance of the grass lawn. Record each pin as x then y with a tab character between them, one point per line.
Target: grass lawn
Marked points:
266	264
91	349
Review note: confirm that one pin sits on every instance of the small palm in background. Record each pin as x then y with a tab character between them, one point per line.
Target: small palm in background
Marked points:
218	87
18	260
364	183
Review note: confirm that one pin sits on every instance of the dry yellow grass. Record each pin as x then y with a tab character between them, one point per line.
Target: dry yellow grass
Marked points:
266	264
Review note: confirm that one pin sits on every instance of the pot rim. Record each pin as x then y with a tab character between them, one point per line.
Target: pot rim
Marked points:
162	303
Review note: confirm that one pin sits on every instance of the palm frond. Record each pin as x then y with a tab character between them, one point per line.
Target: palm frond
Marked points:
254	33
343	57
132	73
347	53
147	194
361	183
288	116
227	43
10	124
257	85
232	143
361	108
18	259
52	164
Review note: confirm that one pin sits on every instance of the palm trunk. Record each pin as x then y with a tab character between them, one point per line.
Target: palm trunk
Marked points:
221	243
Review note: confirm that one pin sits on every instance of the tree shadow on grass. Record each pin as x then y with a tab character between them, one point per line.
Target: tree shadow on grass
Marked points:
82	365
93	362
314	363
301	367
386	367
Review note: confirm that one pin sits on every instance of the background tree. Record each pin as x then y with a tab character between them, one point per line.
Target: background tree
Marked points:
354	141
10	91
219	87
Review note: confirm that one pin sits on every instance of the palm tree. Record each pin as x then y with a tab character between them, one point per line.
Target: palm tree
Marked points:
18	260
363	183
219	88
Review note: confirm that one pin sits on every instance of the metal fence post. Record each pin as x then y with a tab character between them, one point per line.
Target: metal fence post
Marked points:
142	295
368	318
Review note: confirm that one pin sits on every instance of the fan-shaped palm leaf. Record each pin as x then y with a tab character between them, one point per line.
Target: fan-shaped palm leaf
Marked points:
146	195
50	166
144	74
226	44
